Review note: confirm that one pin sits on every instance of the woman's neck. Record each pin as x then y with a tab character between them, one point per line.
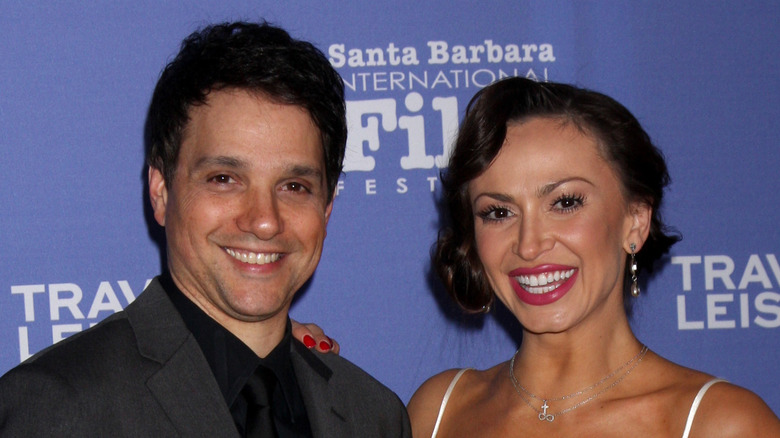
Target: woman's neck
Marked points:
556	364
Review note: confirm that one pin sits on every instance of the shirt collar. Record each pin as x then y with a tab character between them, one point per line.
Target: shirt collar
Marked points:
231	361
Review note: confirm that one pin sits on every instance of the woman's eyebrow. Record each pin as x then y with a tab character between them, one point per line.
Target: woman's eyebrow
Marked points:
548	188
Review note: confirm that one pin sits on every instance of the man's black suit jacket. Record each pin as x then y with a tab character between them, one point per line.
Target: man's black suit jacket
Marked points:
141	373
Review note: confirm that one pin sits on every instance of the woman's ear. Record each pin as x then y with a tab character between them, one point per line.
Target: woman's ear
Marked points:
640	214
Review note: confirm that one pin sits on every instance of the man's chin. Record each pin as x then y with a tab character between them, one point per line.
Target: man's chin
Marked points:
258	312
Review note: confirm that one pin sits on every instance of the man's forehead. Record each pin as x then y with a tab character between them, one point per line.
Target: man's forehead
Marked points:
229	94
227	114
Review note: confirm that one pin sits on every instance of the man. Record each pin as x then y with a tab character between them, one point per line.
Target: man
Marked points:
246	136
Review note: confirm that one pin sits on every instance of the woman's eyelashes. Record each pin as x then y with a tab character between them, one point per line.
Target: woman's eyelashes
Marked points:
568	203
494	213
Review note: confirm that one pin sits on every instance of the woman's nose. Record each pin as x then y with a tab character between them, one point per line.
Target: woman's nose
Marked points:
533	239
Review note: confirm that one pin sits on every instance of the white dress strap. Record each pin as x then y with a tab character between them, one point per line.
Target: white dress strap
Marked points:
695	405
446	399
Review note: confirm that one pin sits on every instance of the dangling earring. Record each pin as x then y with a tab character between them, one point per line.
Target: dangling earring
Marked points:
634	285
487	307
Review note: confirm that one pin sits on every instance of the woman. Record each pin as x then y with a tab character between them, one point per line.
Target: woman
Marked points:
554	195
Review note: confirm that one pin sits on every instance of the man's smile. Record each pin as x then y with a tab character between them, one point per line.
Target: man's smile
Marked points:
253	258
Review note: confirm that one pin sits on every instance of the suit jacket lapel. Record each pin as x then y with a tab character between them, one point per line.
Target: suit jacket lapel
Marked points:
184	385
190	396
327	415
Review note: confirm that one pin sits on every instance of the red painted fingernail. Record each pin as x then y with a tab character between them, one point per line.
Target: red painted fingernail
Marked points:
308	341
324	346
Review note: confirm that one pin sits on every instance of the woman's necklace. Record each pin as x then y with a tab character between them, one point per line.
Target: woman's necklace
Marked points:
544	416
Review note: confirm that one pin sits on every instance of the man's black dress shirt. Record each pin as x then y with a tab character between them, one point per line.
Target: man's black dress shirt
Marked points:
233	362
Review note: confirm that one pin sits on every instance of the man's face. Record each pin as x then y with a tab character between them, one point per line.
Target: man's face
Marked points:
246	212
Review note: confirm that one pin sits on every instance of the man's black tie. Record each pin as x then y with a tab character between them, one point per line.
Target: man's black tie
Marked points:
258	392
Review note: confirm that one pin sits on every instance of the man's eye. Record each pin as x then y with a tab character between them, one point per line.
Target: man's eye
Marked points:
221	179
296	187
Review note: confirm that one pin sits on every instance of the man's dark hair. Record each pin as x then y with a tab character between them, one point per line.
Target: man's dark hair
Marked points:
259	58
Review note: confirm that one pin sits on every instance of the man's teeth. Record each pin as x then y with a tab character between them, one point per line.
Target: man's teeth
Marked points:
537	284
253	258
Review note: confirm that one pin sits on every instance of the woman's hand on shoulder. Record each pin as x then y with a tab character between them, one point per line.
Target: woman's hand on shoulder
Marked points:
312	336
424	405
731	411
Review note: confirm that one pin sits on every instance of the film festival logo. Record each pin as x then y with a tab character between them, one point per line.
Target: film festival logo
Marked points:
418	89
721	293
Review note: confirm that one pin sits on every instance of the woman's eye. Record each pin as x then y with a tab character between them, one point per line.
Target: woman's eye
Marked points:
568	203
494	214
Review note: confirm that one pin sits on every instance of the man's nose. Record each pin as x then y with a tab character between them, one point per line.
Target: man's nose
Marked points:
259	214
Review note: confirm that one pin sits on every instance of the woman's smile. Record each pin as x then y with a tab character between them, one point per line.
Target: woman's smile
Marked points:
542	288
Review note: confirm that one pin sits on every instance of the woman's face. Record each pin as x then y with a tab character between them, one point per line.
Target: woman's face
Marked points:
552	226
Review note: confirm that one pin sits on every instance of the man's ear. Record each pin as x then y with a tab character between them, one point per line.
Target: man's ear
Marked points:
640	214
158	194
328	210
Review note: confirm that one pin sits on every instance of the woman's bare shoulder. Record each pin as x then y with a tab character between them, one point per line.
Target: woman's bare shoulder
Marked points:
726	410
424	405
729	410
434	387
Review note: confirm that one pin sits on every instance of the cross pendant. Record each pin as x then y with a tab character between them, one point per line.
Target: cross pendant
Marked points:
544	415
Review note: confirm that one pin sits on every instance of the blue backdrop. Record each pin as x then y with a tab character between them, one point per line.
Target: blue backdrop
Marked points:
702	76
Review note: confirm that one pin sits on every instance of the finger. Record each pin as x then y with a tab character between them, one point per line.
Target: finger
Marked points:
312	336
302	333
323	342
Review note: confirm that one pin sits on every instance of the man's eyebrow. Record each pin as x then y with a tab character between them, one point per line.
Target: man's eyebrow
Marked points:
296	170
220	161
304	171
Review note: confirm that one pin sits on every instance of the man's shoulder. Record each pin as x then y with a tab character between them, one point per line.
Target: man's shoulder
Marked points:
109	346
59	382
86	342
349	379
369	407
335	367
346	370
105	343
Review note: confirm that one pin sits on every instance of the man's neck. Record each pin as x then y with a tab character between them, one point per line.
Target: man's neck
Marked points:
260	336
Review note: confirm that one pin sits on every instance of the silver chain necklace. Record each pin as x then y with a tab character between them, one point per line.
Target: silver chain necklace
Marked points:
544	416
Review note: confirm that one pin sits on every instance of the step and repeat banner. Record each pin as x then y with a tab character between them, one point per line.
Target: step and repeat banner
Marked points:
78	242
